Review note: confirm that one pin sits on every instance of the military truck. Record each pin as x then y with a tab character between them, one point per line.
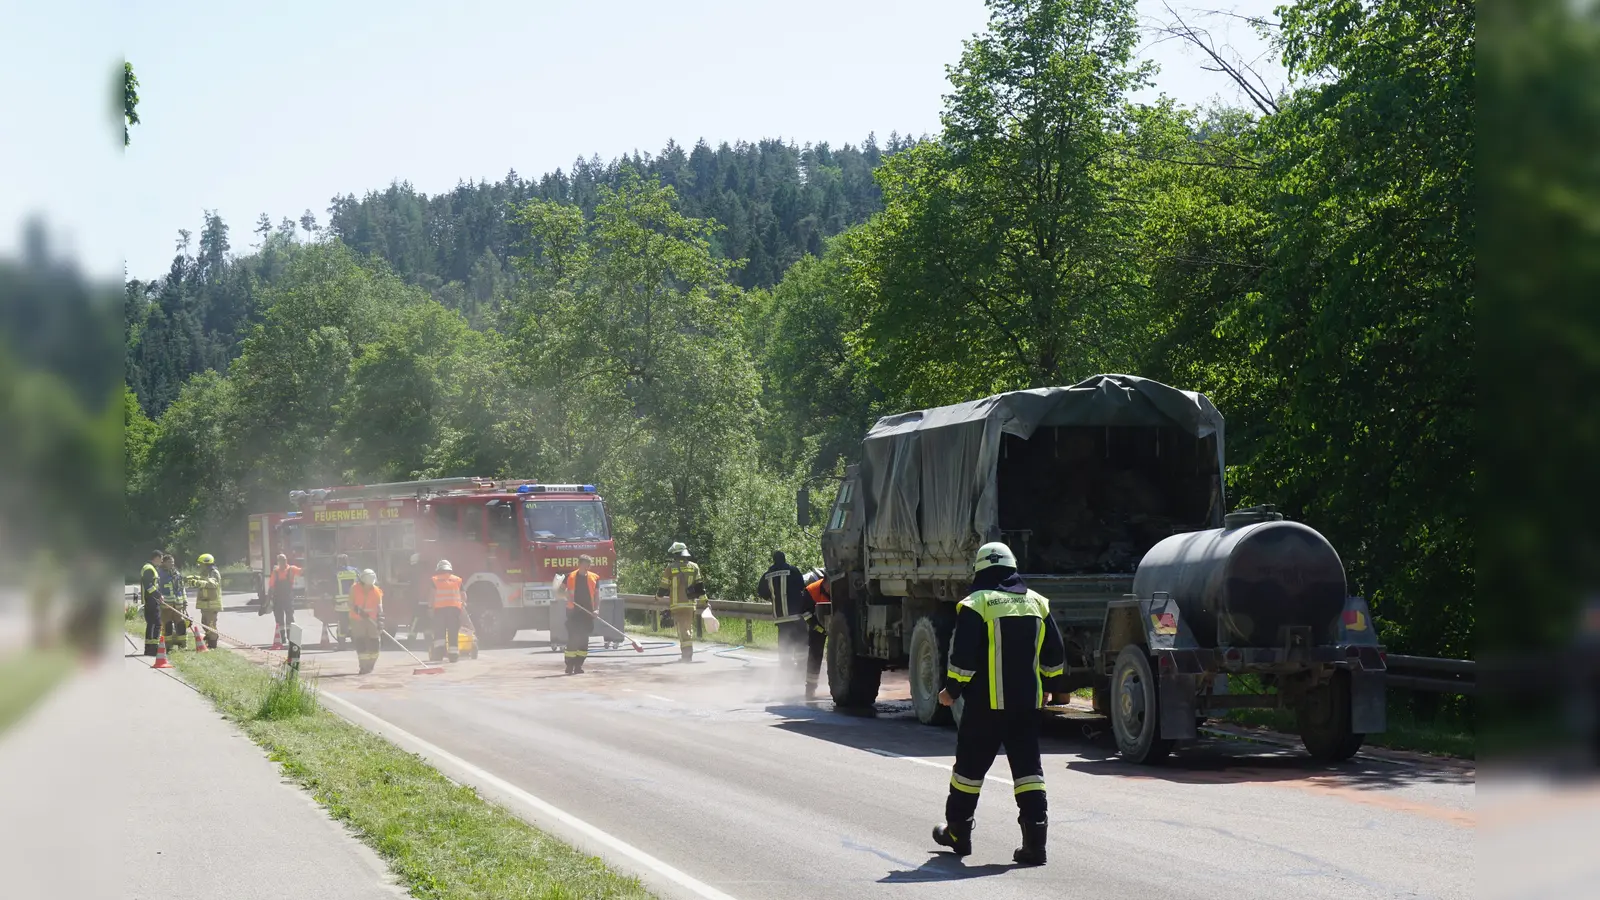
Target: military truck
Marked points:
1111	494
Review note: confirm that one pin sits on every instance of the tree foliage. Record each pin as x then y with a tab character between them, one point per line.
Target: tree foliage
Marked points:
703	331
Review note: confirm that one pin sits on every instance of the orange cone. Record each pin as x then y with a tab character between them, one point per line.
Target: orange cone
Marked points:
200	641
277	639
161	655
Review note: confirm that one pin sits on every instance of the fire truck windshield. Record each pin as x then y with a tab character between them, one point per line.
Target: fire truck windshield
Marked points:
565	520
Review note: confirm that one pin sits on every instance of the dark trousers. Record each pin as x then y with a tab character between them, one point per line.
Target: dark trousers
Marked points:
978	741
800	647
283	613
580	626
152	625
446	633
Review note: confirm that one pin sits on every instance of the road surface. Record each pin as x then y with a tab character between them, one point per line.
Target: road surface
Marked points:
716	772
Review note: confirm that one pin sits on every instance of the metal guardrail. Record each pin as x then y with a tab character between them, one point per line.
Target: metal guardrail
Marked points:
1431	675
732	609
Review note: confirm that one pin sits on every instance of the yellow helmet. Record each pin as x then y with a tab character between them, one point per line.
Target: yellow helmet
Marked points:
207	559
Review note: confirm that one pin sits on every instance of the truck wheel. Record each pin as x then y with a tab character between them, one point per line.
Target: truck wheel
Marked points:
1135	709
1324	720
489	618
929	652
852	680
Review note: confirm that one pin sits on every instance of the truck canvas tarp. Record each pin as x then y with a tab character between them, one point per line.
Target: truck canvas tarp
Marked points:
930	476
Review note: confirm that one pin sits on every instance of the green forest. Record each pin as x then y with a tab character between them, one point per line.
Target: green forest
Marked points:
704	331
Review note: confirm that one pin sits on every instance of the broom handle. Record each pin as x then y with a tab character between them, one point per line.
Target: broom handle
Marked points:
597	618
402	647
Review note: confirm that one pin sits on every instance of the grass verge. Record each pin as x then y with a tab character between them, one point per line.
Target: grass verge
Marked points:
762	634
442	840
28	676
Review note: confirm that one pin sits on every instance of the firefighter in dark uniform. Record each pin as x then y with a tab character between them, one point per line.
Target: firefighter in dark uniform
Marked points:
1005	655
150	595
785	587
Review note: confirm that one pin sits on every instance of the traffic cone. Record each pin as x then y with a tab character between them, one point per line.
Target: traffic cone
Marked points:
161	655
277	638
200	641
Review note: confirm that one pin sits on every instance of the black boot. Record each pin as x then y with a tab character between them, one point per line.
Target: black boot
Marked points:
1031	853
957	837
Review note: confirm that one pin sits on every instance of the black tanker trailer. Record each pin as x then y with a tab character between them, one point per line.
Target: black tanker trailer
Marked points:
1110	492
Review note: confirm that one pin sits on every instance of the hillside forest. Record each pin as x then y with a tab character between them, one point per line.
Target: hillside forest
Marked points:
705	330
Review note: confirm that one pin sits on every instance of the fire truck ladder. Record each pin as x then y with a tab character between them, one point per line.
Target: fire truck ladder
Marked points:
394	490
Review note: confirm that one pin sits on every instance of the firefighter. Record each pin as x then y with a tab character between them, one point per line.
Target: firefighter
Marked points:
680	582
421	597
280	592
335	612
366	610
175	604
581	587
208	598
1005	653
784	586
150	595
446	613
818	601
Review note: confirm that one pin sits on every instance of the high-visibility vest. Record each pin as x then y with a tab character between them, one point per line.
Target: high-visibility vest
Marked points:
281	575
446	590
570	586
367	599
347	579
208	593
154	578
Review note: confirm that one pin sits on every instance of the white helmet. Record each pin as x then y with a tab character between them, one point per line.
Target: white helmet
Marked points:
369	577
443	566
416	558
678	549
994	553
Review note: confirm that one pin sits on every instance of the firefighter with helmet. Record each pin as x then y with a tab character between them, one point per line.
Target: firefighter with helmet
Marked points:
280	593
208	598
366	609
335	612
174	605
1005	654
800	640
447	605
681	584
151	596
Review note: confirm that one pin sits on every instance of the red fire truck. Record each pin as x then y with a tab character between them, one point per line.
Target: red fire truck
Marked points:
271	534
507	540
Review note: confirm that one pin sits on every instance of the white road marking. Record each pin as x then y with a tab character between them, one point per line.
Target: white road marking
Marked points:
550	813
928	762
661	698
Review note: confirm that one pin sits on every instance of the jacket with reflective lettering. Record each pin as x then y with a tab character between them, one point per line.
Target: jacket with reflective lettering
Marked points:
681	582
1006	650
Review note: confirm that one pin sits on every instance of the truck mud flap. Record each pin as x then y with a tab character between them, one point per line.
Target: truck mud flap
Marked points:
1368	701
1177	690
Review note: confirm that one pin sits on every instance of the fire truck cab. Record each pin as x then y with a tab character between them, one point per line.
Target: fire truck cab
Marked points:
507	540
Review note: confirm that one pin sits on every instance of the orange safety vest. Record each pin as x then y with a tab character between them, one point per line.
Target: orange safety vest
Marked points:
572	592
818	590
366	599
280	574
446	590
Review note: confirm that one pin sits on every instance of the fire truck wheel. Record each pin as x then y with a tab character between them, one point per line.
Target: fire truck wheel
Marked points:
1136	710
488	617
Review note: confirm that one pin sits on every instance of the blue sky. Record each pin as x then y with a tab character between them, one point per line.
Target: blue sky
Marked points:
277	107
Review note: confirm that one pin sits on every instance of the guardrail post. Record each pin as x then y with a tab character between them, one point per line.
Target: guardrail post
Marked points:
749	631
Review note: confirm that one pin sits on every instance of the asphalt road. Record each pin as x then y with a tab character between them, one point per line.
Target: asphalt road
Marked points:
717	771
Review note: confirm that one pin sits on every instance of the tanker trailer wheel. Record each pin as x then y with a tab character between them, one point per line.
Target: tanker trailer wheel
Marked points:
1323	716
930	648
852	680
1135	713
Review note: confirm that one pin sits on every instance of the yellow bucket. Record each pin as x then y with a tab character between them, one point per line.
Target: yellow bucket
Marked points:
467	644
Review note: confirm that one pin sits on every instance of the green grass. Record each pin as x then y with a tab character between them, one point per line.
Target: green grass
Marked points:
1403	733
763	634
442	840
28	676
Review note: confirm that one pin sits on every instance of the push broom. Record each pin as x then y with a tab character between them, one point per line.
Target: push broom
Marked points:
637	648
422	667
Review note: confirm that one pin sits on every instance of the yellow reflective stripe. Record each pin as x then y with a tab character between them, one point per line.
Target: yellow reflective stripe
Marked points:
1048	673
997	694
1024	785
960	675
966	785
1038	651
